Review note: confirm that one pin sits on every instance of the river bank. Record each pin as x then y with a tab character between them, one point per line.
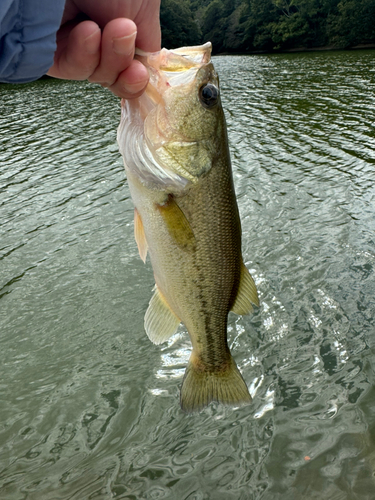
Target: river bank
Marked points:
325	48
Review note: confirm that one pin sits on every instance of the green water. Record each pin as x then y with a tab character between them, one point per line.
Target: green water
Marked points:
88	406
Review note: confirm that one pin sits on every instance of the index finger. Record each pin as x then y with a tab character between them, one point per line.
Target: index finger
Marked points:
117	51
148	31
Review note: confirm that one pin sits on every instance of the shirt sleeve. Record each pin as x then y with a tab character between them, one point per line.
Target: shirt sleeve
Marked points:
28	38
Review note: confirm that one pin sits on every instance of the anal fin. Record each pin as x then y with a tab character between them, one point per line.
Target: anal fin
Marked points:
140	237
247	294
160	321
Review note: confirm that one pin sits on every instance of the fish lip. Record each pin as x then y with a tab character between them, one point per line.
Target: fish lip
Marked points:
168	68
186	52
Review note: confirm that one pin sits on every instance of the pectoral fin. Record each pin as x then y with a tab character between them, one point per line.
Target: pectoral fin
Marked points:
160	321
140	237
177	224
247	294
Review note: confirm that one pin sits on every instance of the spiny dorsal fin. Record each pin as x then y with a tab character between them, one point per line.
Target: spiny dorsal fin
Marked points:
160	321
247	294
177	224
140	237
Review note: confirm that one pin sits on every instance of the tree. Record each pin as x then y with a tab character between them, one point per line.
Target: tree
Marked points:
298	24
353	22
267	25
258	17
178	26
217	23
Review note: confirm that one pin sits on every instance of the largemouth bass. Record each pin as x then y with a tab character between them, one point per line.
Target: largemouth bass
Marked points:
175	148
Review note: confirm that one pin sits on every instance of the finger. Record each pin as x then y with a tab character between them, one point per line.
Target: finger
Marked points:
131	82
148	26
78	51
117	51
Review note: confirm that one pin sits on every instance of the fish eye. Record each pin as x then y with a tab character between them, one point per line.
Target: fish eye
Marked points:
208	95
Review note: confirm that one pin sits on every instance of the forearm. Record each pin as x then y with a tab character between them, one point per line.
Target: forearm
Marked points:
28	38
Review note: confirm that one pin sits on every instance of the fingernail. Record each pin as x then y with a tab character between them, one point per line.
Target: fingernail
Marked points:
92	42
125	45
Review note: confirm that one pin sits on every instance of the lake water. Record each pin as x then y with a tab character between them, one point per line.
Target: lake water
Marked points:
89	408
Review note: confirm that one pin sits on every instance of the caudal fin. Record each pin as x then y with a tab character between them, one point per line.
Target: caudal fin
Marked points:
200	387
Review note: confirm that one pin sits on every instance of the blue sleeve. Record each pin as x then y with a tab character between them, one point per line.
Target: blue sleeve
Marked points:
28	38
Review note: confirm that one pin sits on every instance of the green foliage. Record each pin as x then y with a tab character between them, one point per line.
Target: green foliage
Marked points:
218	23
267	25
354	23
288	30
178	25
257	25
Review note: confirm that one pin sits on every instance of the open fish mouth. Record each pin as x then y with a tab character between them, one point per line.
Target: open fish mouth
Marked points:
176	60
170	68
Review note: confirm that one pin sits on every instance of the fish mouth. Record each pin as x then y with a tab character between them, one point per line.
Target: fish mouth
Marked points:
169	68
176	60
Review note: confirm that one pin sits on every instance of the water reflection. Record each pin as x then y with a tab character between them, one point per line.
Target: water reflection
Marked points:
89	405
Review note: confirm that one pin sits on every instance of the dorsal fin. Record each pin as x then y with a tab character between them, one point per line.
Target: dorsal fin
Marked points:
247	293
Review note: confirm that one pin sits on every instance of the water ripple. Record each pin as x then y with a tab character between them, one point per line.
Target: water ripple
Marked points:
90	407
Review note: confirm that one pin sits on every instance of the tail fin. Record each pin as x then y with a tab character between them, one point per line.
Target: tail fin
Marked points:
200	388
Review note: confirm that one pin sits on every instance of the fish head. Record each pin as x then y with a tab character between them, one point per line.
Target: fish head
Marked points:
174	128
185	89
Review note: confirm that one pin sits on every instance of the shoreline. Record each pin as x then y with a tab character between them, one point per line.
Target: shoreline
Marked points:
325	48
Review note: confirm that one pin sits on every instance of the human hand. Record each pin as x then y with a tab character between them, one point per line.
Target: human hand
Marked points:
96	41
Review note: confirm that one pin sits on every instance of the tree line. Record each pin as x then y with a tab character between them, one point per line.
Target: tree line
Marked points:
267	25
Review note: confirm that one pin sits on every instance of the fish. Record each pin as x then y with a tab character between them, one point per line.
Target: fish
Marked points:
174	143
